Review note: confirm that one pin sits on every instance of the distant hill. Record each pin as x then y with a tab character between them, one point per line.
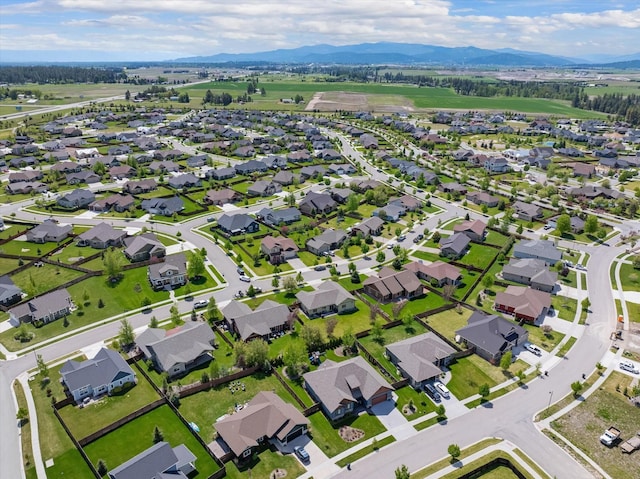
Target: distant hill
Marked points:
390	53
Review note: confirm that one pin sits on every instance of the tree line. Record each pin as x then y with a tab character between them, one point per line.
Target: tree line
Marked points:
624	107
59	74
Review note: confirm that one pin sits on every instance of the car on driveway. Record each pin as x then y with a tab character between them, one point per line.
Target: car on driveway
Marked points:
302	454
533	349
629	366
442	389
201	304
246	279
432	393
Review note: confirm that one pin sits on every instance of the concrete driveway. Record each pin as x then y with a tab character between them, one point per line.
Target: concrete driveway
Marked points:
393	419
316	455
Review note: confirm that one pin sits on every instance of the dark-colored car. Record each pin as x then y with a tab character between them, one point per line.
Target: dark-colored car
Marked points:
320	267
418	238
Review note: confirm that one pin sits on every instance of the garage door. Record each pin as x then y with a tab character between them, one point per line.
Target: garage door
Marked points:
297	433
379	399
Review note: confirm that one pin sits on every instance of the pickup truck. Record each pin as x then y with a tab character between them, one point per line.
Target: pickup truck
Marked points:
610	436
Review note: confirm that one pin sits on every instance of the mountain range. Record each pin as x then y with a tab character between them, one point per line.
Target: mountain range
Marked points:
404	54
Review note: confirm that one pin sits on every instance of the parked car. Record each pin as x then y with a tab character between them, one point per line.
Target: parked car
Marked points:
402	237
320	267
533	349
244	278
390	246
629	366
240	270
210	219
302	454
201	304
442	389
432	393
418	238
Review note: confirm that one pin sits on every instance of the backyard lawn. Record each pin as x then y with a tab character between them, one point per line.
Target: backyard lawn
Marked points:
19	247
448	322
479	256
134	437
471	372
37	280
414	306
326	437
356	321
205	407
7	265
109	409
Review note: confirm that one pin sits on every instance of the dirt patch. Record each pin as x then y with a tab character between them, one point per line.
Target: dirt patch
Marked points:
350	101
277	473
350	434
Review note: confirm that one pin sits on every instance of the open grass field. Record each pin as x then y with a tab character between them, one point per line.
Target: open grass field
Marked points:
137	435
605	407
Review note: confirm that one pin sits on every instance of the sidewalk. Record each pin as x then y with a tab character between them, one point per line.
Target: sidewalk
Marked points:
33	421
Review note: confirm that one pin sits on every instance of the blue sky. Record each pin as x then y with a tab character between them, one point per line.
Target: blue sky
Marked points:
129	30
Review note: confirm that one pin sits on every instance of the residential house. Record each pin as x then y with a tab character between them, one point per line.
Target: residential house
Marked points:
329	154
482	198
420	358
341	169
491	336
307	172
538	249
408	202
121	172
26	187
278	250
76	199
144	247
454	188
251	166
284	216
27	175
264	188
370	227
590	192
341	195
496	165
454	246
139	187
341	388
221	173
523	303
158	461
101	236
474	229
105	372
238	223
329	298
266	418
390	212
585	170
43	309
163	206
163	167
197	161
328	240
9	292
66	167
317	204
178	350
274	162
117	202
267	320
369	141
170	274
437	272
527	211
532	272
222	197
87	177
577	224
391	285
48	231
184	181
299	156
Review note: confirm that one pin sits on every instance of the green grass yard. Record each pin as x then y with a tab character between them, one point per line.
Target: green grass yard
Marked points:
37	280
566	307
448	322
326	437
630	278
471	372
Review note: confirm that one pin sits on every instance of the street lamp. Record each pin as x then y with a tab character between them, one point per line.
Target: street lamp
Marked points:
550	396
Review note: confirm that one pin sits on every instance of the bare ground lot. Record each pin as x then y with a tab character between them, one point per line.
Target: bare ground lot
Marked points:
341	100
606	407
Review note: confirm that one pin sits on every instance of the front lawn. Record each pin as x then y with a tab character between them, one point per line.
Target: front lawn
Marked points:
326	437
545	341
629	277
264	463
134	437
107	410
421	402
566	307
471	372
206	407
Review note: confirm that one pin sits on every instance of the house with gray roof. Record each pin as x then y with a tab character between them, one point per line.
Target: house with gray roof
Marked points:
342	388
118	202
420	358
238	223
139	187
278	249
532	272
312	171
454	246
266	418
43	309
264	188
482	198
82	177
163	206
26	187
160	461
177	350
101	236
538	249
48	231
279	217
317	204
274	161
76	199
527	211
370	227
221	173
265	321
186	180
9	292
107	371
251	166
328	240
390	212
329	298
491	335
171	273
143	247
341	169
284	178
222	197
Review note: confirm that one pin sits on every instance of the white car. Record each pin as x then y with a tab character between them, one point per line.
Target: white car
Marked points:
246	279
629	366
442	389
201	304
390	246
533	349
